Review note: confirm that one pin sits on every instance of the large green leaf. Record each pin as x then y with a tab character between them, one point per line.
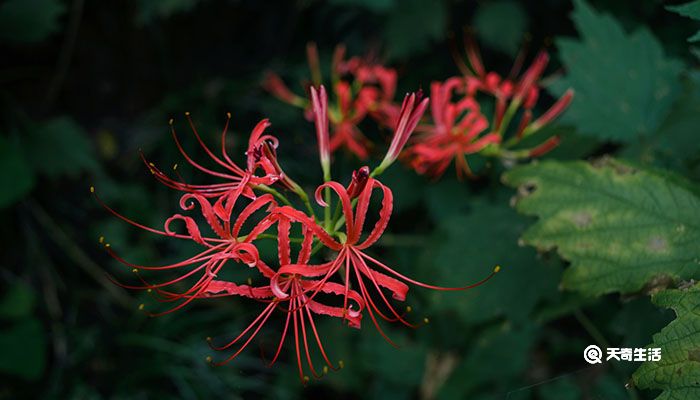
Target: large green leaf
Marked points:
690	10
624	84
501	25
29	21
621	228
678	371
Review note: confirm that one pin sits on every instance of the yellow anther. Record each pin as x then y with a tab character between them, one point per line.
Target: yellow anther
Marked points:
108	245
187	113
250	281
208	359
426	320
228	114
170	121
325	369
141	306
341	364
306	379
92	189
149	290
208	338
409	309
135	270
496	269
174	167
151	164
102	239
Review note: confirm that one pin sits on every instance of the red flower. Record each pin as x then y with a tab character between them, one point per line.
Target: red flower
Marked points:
515	92
457	129
361	87
292	288
352	263
260	156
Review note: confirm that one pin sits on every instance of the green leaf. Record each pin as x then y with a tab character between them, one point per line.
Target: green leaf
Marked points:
16	177
501	25
621	228
465	249
61	147
29	21
23	348
690	10
678	371
412	27
624	84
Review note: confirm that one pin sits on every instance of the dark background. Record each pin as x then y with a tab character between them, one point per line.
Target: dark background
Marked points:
85	84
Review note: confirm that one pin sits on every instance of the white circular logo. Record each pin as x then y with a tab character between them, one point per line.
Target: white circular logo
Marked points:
593	354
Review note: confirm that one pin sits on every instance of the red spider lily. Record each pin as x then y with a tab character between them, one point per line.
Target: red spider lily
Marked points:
410	113
229	244
203	267
293	288
457	129
260	155
361	87
351	262
512	93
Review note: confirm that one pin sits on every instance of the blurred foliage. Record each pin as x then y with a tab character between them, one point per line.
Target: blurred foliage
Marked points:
29	21
501	25
85	85
690	10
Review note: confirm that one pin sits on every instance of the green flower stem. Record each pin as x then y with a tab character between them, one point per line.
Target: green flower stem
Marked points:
327	199
273	192
510	112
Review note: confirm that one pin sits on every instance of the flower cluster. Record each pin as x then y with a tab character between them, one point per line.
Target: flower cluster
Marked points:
361	88
248	204
456	126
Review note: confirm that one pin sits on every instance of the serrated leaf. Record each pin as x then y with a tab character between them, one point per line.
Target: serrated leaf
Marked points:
411	27
624	84
29	21
16	177
501	25
678	371
690	10
621	228
60	147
